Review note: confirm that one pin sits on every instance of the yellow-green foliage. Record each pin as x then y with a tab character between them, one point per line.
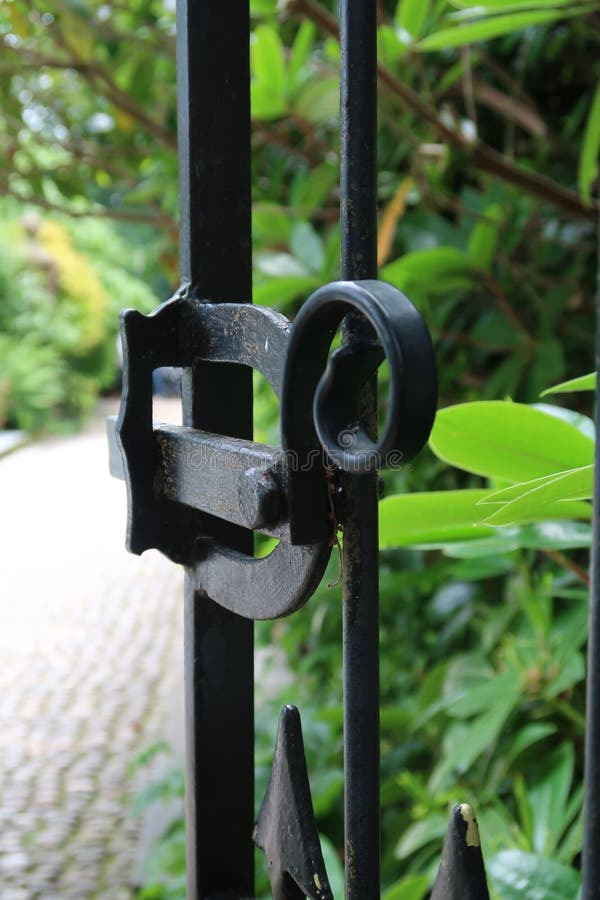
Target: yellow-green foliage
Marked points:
81	294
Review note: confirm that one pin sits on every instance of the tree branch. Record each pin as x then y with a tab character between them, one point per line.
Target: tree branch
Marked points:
98	212
94	73
482	156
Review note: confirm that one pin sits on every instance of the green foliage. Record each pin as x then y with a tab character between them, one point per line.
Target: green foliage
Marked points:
583	383
538	462
59	304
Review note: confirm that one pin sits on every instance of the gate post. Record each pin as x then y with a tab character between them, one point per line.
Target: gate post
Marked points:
590	858
358	214
213	98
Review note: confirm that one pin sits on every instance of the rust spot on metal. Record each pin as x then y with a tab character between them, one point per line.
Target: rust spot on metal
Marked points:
472	835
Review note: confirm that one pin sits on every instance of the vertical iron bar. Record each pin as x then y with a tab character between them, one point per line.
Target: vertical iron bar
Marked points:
213	85
358	135
590	863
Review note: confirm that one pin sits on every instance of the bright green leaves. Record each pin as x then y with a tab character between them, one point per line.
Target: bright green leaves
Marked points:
268	89
583	383
588	161
431	517
499	6
408	888
281	277
483	241
542	462
537	499
431	270
496	20
508	441
412	15
288	82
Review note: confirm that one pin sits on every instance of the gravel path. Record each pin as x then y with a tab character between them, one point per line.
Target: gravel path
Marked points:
89	650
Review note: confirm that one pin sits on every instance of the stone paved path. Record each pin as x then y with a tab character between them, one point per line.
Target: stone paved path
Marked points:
89	657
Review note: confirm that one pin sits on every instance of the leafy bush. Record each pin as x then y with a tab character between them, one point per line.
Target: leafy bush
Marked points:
59	321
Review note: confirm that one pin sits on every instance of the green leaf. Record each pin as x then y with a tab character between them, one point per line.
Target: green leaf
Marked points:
571	672
437	516
555	535
588	161
583	383
492	27
527	737
439	269
421	833
533	496
582	423
505	5
517	875
510	441
390	46
473	700
464	744
309	190
307	246
268	87
515	491
300	53
319	101
548	800
265	102
412	15
333	866
279	292
279	264
270	223
263	7
412	887
268	58
484	237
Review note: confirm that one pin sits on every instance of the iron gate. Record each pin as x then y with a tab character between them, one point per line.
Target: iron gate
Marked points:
197	492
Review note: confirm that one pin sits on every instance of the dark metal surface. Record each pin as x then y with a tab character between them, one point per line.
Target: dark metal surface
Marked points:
461	875
286	828
590	859
358	194
184	332
213	87
177	475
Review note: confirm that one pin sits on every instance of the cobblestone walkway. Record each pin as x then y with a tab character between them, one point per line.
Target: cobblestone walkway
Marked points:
89	656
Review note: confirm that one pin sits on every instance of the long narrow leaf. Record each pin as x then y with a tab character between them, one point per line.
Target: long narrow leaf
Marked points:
583	383
588	162
493	27
577	484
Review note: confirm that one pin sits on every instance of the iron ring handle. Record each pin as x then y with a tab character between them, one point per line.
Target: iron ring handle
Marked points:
320	395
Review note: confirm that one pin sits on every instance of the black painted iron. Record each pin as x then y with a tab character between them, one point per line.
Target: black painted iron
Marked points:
590	858
285	828
461	874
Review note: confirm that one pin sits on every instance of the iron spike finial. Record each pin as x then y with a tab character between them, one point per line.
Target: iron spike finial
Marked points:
461	875
286	829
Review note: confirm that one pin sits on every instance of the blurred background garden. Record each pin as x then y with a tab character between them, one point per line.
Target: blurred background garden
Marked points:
489	134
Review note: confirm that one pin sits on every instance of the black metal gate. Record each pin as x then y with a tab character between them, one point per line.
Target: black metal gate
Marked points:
198	491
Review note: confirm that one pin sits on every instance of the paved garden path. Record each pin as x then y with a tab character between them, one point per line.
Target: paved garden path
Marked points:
89	669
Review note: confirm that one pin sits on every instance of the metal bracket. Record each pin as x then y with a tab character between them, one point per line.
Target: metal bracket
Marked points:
179	479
